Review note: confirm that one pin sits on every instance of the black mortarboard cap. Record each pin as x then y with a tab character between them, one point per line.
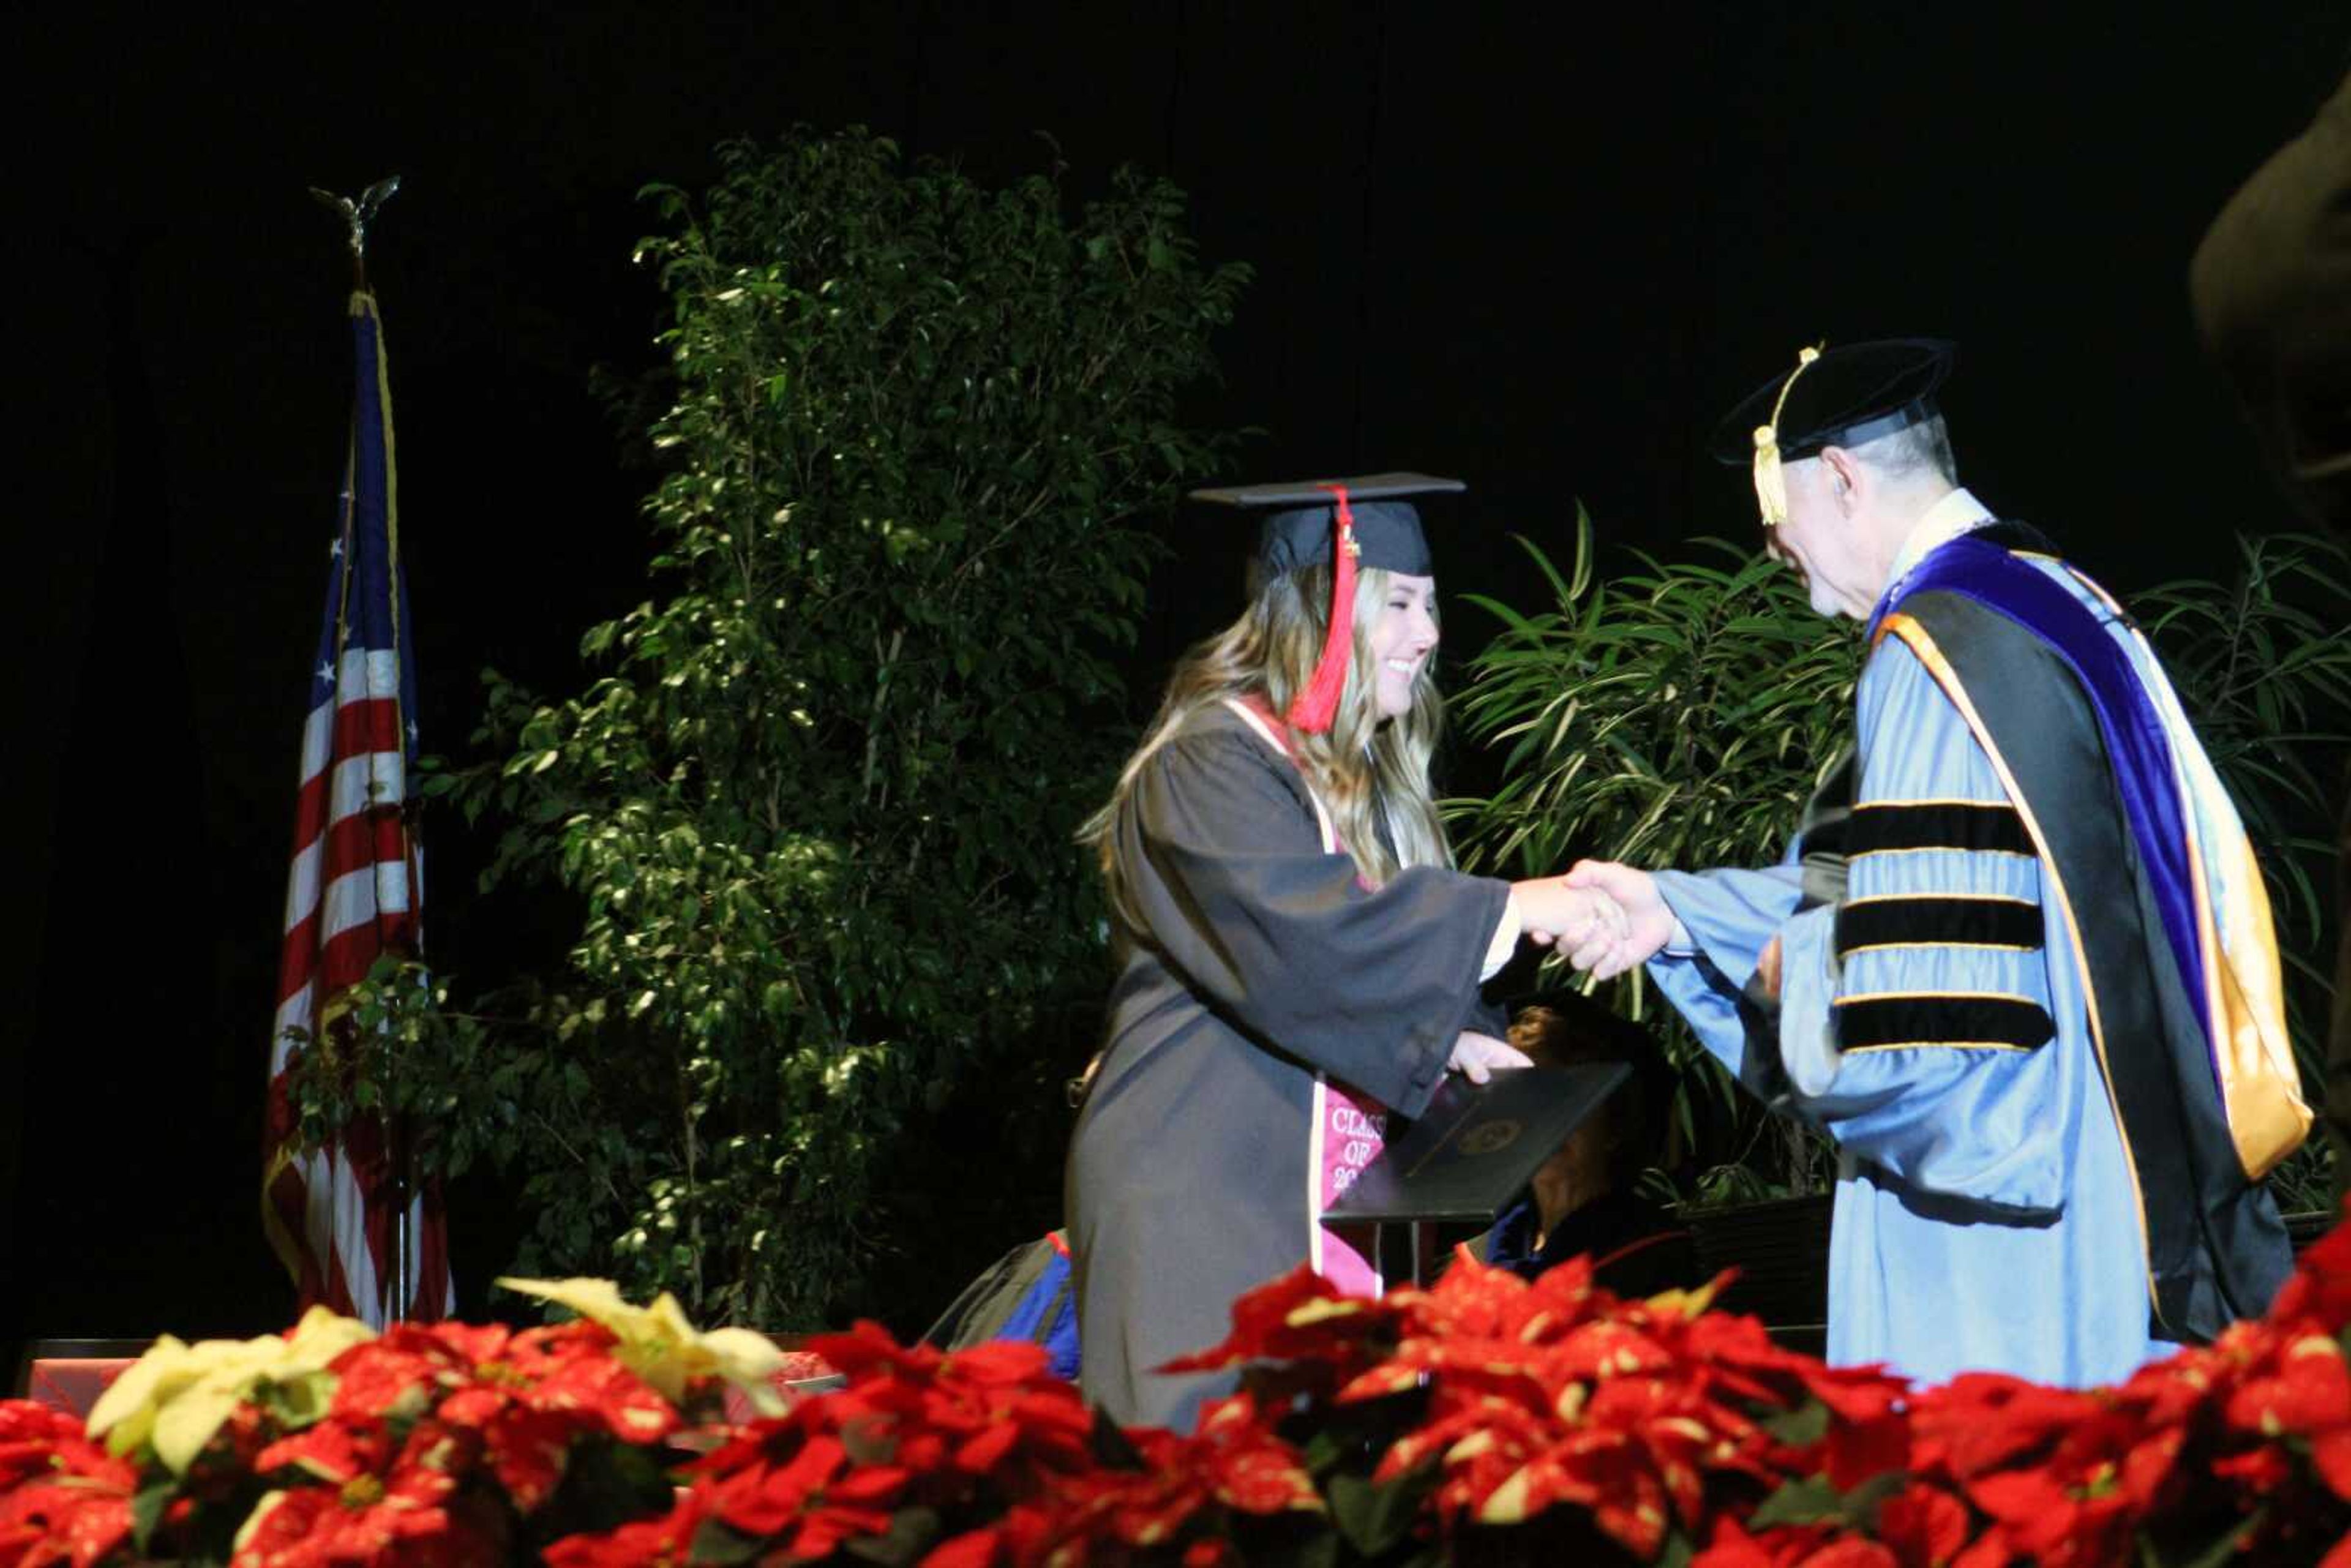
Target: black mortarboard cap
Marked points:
1368	521
1296	531
1841	397
1834	397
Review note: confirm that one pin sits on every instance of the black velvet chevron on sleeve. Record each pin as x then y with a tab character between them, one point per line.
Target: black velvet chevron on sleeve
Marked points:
1882	1023
1883	827
1931	921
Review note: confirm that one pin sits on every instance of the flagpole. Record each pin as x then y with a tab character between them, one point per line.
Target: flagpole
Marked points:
357	215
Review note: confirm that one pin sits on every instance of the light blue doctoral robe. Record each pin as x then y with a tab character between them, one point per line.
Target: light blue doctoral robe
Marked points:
1986	1217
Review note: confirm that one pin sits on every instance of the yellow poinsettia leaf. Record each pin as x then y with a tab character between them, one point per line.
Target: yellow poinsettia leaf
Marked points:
1470	1446
1687	1304
125	1410
1321	1310
1506	1504
665	1317
598	1299
755	1353
307	1399
661	1345
184	1426
177	1395
747	1360
202	1380
1384	1379
316	1340
252	1521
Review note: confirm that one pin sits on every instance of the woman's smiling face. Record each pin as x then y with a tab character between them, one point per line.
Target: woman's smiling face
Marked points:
1403	635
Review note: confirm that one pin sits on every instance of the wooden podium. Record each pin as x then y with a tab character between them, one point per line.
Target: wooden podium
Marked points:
68	1374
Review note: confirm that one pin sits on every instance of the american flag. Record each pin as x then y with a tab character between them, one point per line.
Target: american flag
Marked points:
355	891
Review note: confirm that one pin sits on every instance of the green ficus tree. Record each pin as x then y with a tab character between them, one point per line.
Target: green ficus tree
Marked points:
819	808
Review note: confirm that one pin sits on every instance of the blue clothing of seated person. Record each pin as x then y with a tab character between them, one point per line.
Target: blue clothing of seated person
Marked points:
1637	1249
1026	1295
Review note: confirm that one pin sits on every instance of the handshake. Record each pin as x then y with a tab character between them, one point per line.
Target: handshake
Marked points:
1605	917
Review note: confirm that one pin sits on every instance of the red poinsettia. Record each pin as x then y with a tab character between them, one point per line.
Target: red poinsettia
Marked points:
1556	1392
2063	1476
29	1435
1731	1544
996	1405
992	1411
1924	1526
63	1499
2241	1428
1235	1461
1301	1317
663	1542
971	1439
1659	1423
808	1496
521	1399
383	1504
2320	1290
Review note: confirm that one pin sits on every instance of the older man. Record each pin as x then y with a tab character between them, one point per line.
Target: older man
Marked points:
2019	964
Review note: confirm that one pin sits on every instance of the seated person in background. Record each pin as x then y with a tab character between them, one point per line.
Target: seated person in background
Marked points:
1027	1295
1581	1200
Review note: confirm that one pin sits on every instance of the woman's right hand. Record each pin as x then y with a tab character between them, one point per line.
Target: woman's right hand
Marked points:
1475	1056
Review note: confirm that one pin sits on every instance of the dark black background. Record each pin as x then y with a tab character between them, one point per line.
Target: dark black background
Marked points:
1542	257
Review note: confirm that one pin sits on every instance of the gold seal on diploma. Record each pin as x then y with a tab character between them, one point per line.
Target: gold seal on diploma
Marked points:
1491	1138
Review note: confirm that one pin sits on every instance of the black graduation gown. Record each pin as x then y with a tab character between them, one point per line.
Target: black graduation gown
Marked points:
1261	959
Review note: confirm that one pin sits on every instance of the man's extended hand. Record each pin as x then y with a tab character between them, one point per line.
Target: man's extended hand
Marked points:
1767	971
1551	910
1609	950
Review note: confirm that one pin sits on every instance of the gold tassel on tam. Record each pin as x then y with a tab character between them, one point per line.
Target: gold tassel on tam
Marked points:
1770	485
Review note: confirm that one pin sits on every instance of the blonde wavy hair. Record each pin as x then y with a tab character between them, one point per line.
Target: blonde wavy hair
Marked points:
1370	775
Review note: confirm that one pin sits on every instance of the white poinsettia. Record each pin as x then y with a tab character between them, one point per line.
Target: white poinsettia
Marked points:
661	1346
177	1395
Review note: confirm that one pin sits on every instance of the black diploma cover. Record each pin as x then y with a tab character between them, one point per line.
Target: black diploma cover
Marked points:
1477	1147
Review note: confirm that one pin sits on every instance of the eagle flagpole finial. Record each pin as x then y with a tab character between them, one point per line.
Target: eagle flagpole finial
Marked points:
357	215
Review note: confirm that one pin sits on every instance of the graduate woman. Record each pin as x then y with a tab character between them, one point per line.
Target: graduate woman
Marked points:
1297	958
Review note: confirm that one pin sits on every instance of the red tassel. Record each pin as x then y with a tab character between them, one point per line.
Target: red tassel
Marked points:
1313	709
